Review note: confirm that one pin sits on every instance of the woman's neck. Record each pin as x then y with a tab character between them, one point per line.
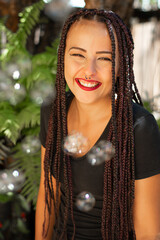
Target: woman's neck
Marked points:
90	113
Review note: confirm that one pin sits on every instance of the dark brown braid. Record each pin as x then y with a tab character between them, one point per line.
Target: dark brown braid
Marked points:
119	176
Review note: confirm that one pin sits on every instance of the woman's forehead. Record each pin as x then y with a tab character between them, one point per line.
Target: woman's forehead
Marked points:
89	24
86	30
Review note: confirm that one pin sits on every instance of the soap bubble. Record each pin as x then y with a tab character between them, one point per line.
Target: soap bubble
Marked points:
12	70
11	180
57	10
85	201
10	91
5	86
3	188
16	94
18	67
4	175
75	143
31	144
101	152
43	91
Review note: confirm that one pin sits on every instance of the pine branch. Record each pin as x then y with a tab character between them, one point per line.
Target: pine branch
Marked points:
24	118
28	19
17	41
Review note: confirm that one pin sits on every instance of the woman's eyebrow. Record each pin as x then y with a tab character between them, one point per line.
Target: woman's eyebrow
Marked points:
107	52
78	48
98	52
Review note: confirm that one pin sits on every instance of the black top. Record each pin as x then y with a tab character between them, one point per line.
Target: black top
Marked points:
90	178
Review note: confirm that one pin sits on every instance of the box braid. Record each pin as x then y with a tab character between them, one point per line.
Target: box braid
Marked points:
119	176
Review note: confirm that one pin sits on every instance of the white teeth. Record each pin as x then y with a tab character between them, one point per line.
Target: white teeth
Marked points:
87	84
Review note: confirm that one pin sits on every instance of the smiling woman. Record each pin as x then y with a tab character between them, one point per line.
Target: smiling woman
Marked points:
88	62
115	198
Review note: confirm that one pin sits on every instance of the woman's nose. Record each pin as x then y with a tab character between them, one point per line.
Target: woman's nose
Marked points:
90	68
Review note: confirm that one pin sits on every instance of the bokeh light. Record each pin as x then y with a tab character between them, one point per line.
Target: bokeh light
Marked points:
43	91
11	180
31	144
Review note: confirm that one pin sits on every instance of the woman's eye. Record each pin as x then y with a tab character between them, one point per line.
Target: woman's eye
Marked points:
77	55
105	59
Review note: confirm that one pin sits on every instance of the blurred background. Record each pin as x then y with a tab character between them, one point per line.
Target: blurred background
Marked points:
29	37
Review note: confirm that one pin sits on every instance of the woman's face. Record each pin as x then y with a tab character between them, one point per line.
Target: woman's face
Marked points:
87	62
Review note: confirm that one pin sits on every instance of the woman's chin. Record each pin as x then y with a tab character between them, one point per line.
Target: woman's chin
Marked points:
86	99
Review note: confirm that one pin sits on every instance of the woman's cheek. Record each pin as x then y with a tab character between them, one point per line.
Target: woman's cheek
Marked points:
76	69
76	64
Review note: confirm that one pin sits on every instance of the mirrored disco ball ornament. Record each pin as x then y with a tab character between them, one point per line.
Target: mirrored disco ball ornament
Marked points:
42	92
75	144
31	144
101	152
85	201
18	67
11	181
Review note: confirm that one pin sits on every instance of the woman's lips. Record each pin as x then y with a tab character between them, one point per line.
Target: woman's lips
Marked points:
88	84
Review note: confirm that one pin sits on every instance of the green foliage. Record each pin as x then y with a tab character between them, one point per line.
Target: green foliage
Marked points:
29	116
17	41
15	226
12	122
23	118
148	105
30	165
6	198
9	125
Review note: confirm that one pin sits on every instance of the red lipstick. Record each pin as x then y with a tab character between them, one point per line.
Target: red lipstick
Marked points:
98	84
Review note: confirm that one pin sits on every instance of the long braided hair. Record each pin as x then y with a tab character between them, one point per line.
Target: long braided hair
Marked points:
119	175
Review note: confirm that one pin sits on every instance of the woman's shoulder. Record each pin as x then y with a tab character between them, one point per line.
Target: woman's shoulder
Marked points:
144	123
47	105
46	110
139	112
147	143
142	117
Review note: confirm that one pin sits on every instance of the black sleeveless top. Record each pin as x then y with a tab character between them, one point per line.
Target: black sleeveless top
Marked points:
90	178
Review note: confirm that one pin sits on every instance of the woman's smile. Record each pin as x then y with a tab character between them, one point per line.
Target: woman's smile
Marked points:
88	85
